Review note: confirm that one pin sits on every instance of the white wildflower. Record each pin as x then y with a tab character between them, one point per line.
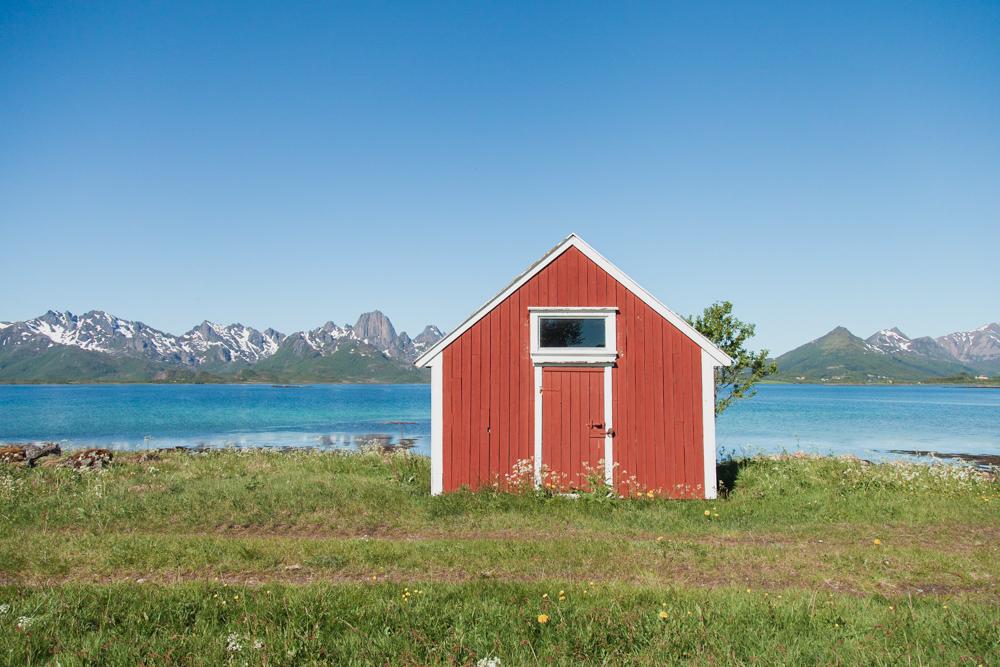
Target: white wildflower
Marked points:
25	622
10	487
234	643
488	662
4	608
258	645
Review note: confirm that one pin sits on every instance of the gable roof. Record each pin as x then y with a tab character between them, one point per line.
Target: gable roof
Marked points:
574	241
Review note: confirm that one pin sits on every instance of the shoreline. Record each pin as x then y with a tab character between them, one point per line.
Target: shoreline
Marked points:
384	443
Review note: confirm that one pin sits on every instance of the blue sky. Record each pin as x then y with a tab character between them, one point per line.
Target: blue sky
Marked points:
283	165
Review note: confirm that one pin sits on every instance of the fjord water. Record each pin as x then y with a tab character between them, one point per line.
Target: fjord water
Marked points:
868	421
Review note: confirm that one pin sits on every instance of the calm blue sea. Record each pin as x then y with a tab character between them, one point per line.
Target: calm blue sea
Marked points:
866	421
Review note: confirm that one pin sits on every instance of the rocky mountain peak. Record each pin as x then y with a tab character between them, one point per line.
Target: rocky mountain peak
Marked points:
431	334
375	329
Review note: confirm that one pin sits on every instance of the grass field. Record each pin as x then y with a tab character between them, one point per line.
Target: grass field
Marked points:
308	558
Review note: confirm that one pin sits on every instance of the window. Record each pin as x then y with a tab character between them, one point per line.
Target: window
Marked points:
571	332
573	335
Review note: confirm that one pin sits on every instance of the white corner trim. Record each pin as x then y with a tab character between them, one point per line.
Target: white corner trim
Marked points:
609	452
708	365
437	426
575	241
538	426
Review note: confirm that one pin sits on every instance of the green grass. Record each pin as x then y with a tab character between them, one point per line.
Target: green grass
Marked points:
463	623
131	565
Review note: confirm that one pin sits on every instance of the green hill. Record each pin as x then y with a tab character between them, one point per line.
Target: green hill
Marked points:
58	364
351	362
63	363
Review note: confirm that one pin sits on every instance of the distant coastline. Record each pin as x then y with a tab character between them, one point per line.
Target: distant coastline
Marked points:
992	383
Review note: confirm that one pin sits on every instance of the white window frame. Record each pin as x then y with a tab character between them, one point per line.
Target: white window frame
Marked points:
575	355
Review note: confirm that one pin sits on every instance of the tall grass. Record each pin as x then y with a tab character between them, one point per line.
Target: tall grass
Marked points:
256	557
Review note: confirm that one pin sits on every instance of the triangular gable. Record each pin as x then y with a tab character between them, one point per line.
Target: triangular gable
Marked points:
574	241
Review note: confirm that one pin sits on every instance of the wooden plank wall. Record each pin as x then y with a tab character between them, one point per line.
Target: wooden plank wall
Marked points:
488	391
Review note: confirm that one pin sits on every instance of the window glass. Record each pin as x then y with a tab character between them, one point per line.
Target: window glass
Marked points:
571	332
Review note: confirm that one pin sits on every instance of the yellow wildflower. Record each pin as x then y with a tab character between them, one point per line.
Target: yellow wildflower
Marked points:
649	494
663	615
708	512
876	541
543	618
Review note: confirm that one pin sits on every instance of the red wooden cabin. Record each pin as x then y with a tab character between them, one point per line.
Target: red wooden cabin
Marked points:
574	369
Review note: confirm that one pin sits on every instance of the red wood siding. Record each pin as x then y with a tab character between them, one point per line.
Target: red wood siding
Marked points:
488	392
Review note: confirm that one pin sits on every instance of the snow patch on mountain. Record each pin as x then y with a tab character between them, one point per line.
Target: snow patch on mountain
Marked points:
889	341
976	346
98	331
234	342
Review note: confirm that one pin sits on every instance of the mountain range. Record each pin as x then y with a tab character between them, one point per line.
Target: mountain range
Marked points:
889	355
99	347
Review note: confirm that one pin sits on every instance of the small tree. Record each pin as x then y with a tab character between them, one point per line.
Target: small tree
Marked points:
730	334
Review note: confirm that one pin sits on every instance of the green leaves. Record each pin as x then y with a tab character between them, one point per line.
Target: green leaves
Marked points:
731	335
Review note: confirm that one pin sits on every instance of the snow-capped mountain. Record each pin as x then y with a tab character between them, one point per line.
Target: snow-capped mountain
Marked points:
372	329
97	331
208	345
426	339
889	341
894	341
209	342
979	347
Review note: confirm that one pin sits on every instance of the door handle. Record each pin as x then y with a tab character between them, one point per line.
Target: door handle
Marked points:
597	425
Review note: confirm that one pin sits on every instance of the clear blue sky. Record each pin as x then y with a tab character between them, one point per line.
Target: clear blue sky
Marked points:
283	165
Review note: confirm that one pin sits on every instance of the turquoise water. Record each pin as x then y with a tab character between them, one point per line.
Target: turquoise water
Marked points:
867	421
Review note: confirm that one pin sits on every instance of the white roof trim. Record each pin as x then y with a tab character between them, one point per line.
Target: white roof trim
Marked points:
575	241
